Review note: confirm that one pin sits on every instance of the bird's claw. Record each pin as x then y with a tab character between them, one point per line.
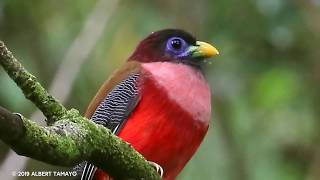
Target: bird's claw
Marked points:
157	167
18	114
128	144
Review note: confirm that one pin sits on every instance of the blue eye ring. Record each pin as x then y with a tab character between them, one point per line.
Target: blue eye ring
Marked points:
176	45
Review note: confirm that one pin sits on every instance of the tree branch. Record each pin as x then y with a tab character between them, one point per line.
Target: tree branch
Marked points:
11	127
91	32
32	89
71	138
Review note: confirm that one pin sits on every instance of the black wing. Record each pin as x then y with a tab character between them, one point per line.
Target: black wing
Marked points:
114	110
113	113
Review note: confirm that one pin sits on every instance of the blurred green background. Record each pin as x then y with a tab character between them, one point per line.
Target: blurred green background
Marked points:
265	83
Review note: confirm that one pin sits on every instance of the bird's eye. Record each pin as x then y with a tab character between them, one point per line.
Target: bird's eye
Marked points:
176	45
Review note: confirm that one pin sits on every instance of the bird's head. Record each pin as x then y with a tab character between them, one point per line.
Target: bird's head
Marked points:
173	45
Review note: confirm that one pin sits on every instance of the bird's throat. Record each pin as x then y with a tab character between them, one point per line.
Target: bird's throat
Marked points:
185	85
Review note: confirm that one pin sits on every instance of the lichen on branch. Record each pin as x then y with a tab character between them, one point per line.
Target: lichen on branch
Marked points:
70	138
31	88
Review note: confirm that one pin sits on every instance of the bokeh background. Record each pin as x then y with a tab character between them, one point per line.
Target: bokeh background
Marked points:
265	84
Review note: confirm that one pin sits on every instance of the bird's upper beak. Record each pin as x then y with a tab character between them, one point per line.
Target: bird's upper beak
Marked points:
203	50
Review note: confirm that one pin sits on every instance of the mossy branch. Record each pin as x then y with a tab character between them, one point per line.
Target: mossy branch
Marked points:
70	138
31	88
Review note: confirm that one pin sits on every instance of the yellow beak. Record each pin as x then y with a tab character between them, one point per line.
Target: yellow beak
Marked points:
204	50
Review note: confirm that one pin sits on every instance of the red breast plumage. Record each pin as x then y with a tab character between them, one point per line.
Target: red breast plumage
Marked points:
162	98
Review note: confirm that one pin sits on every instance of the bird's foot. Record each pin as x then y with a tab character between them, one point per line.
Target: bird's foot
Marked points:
128	144
18	114
157	167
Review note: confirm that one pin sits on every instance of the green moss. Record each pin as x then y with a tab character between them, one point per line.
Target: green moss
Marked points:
70	138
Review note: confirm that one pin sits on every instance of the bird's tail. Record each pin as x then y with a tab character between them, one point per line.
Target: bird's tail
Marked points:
87	171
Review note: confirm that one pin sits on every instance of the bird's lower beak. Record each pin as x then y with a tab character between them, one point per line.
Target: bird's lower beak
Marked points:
203	50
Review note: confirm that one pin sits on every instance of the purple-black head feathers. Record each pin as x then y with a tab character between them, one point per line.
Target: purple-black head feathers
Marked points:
172	45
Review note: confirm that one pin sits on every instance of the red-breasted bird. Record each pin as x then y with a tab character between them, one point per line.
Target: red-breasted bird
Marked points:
158	101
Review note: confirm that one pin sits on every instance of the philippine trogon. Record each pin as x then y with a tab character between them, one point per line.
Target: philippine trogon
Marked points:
159	101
